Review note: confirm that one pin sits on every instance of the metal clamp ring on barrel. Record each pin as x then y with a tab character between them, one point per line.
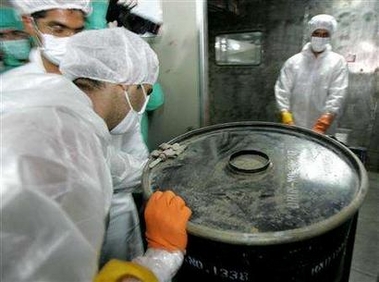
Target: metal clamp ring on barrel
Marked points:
264	165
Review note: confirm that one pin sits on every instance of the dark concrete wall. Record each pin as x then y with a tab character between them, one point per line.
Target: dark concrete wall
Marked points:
238	93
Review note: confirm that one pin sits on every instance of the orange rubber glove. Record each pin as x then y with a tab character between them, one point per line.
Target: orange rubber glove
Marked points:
323	123
286	117
166	217
117	270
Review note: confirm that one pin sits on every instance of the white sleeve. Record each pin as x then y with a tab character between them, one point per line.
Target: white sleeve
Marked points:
283	87
338	88
162	263
55	191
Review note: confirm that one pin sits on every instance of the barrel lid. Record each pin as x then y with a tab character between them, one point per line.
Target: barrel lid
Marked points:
261	183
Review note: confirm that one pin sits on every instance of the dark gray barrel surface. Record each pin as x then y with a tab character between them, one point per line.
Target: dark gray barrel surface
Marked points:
262	184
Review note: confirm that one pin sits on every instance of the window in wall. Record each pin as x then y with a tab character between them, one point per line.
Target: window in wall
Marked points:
239	48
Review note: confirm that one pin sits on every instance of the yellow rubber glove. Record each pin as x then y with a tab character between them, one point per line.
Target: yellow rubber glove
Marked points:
166	217
286	117
118	271
323	123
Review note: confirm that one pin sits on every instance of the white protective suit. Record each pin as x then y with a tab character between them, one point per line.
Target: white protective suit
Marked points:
56	185
309	87
126	169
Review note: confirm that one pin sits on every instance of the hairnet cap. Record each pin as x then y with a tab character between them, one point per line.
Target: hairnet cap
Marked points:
323	21
114	55
10	19
27	7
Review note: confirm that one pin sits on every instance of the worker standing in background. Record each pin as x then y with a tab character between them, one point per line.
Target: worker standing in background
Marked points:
312	84
15	44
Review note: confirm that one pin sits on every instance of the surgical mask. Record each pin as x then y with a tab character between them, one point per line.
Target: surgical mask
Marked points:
54	48
319	43
143	108
128	122
16	49
132	117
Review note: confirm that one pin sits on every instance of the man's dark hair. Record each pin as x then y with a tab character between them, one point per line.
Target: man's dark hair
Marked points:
42	14
39	15
87	84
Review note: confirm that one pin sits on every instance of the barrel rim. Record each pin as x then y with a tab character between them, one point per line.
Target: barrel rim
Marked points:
277	237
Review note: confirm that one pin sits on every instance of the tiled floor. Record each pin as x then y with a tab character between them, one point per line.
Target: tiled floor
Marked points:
365	264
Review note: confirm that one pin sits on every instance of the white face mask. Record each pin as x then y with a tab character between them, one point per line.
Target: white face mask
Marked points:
143	108
128	122
144	105
54	48
132	116
319	43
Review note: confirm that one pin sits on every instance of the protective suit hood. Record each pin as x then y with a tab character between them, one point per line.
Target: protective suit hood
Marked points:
322	21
